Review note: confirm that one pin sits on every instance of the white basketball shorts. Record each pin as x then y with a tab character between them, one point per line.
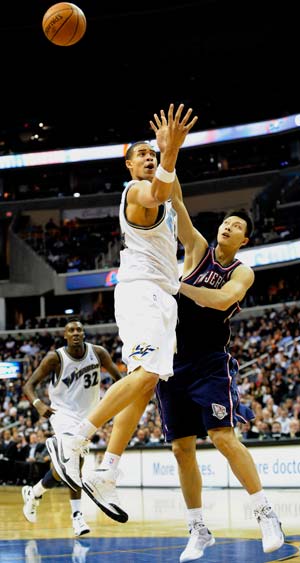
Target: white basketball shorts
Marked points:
146	316
65	421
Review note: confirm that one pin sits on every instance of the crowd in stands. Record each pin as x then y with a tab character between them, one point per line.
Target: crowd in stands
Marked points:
267	348
75	244
280	285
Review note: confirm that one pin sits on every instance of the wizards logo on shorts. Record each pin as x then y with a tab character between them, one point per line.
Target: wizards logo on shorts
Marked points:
141	350
219	411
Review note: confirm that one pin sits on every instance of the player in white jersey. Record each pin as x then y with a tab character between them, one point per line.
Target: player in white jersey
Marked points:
145	306
144	302
74	389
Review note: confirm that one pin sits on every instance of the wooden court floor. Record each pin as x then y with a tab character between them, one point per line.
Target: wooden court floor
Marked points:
155	532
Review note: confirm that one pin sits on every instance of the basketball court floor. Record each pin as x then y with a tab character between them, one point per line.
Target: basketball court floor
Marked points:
155	532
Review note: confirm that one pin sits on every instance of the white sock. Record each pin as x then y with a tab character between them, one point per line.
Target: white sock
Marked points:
87	429
194	516
39	490
75	505
259	499
110	461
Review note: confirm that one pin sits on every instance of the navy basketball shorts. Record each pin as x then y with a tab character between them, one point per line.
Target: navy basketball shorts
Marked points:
201	395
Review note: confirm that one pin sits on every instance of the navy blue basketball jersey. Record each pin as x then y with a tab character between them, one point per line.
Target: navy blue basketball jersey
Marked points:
201	329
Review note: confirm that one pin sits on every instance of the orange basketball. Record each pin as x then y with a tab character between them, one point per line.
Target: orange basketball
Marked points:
64	24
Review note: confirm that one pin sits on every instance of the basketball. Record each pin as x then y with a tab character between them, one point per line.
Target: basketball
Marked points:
64	24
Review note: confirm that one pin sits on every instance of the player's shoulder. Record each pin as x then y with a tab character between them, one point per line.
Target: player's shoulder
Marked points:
134	187
97	348
54	352
136	182
243	269
52	356
242	265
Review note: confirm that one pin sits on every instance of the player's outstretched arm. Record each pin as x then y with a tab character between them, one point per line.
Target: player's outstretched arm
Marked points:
192	240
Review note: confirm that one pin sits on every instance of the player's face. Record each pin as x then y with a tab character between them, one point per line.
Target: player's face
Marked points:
143	163
74	334
232	232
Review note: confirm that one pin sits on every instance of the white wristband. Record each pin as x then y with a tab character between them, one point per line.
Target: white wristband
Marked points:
164	175
36	401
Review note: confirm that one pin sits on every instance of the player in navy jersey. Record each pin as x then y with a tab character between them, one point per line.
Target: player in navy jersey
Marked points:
202	397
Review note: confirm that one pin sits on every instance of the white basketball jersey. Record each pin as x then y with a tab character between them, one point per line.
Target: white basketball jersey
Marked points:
150	253
77	386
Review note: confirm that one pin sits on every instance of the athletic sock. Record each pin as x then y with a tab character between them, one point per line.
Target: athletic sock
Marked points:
195	515
110	461
259	499
87	429
75	505
39	490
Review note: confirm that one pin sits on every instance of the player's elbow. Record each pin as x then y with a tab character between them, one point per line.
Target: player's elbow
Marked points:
227	301
224	302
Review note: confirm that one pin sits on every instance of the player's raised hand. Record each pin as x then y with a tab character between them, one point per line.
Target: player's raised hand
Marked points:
171	131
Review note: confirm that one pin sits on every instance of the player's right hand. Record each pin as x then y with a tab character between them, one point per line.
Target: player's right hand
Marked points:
45	410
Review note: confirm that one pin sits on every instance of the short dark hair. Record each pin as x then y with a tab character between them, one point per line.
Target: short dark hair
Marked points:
73	319
131	148
242	214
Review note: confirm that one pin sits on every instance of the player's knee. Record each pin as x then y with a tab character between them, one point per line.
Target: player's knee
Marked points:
183	452
149	381
223	439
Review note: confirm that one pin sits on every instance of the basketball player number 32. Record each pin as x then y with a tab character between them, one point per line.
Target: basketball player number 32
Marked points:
91	379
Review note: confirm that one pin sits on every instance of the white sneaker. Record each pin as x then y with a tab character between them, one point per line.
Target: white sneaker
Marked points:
79	552
200	538
79	525
30	504
272	535
100	486
65	451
